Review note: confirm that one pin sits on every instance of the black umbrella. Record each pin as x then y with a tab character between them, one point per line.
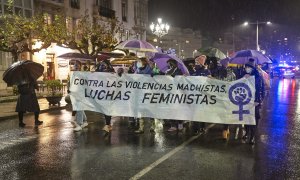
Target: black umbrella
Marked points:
212	52
23	71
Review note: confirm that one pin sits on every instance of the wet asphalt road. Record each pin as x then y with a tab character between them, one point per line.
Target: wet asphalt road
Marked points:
54	151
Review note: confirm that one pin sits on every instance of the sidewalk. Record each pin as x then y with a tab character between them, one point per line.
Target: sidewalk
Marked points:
7	109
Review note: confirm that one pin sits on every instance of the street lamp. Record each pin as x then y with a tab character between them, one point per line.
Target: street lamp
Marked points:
194	52
257	23
160	29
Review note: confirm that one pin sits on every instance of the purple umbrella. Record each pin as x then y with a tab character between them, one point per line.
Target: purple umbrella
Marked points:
161	61
243	56
137	45
225	62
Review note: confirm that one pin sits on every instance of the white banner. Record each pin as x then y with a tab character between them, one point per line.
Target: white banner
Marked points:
193	98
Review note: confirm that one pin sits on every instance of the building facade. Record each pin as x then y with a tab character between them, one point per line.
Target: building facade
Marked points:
23	7
133	14
185	42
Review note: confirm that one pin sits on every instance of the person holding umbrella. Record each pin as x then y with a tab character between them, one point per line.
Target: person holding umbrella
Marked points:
24	74
251	70
27	101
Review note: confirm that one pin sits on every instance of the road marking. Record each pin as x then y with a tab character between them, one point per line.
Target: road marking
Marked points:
13	142
16	140
166	156
7	143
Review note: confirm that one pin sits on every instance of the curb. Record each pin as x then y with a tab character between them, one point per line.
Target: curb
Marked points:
13	99
26	114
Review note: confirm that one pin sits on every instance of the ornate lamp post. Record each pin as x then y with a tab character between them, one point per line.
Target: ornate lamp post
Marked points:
257	23
160	29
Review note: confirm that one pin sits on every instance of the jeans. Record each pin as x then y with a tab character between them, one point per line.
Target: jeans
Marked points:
80	117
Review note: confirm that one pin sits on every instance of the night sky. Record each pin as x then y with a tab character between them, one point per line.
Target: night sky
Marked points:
215	15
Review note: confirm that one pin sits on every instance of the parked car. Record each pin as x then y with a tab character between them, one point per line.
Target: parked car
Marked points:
283	72
288	74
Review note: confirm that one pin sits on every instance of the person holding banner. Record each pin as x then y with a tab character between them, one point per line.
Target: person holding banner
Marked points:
226	74
80	116
105	66
200	70
251	70
173	71
143	67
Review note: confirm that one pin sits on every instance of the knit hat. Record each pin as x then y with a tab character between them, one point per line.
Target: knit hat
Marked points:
201	59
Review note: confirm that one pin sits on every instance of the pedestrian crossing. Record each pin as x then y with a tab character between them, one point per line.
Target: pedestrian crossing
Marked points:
10	139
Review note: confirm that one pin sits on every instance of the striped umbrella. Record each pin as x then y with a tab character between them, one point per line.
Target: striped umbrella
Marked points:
137	45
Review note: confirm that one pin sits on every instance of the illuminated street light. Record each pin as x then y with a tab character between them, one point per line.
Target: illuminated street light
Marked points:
195	51
160	29
257	23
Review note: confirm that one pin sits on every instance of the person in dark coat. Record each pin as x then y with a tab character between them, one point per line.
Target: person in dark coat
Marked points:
226	74
200	70
251	70
173	71
105	66
27	102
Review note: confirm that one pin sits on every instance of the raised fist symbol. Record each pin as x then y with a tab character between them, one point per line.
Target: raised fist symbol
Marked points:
240	94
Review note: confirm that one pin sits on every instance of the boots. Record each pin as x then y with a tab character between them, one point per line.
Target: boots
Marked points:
36	119
107	128
141	127
225	134
252	140
152	128
21	124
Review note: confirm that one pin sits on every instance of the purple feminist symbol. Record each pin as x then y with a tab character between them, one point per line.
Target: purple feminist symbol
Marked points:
240	95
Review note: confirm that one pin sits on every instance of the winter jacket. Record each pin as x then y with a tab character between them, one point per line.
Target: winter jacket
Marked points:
174	72
144	70
201	71
259	86
27	100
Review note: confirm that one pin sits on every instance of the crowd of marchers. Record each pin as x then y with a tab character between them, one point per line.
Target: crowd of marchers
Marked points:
200	67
